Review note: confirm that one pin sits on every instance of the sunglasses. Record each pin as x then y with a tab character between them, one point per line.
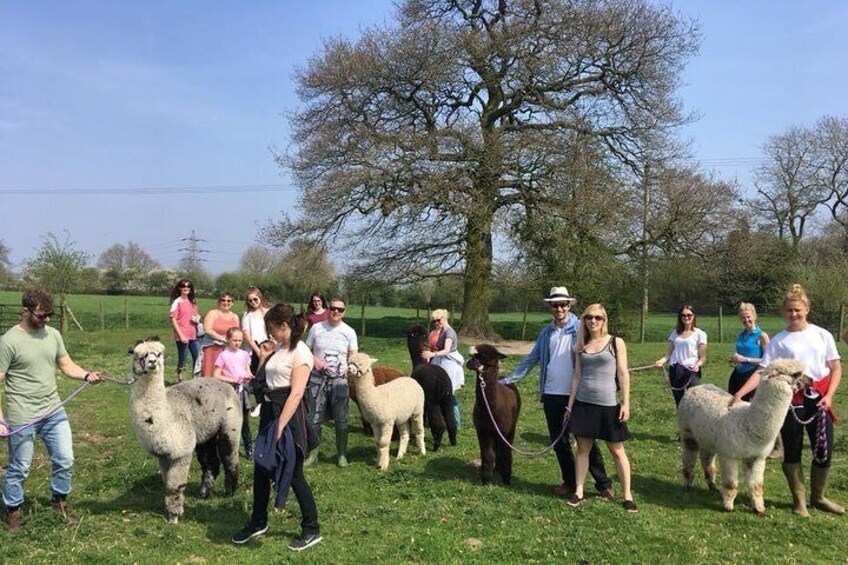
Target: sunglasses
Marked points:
185	286
597	318
336	309
225	300
687	315
560	305
41	315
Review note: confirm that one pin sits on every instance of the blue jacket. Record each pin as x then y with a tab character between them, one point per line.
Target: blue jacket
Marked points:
277	458
541	353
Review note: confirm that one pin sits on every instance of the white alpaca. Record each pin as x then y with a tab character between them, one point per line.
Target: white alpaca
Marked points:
746	431
200	414
395	403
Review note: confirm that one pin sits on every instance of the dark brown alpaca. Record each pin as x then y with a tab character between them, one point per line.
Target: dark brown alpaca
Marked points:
438	390
382	375
505	404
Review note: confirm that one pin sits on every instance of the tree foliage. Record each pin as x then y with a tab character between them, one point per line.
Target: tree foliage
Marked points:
417	140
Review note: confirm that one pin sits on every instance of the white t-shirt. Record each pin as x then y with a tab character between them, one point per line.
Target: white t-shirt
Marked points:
560	369
332	343
813	346
254	322
685	350
278	369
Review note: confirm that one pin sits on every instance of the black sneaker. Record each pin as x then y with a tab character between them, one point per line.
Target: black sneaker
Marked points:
249	532
303	541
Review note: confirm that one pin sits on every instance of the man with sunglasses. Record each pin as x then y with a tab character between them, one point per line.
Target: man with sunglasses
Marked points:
332	343
29	354
553	352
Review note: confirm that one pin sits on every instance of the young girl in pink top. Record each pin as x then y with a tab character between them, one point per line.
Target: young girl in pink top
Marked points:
233	366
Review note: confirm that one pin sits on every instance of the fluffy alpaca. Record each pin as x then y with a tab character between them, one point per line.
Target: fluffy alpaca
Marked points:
744	432
396	403
505	403
382	375
438	390
200	414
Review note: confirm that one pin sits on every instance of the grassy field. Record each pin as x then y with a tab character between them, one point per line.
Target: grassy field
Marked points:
424	509
148	313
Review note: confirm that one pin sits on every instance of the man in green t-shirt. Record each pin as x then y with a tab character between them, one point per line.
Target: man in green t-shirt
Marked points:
29	355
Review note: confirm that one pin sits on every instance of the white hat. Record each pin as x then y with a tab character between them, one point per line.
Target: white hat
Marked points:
560	294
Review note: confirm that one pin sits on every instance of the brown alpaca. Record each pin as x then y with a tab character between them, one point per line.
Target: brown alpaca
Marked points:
382	375
505	404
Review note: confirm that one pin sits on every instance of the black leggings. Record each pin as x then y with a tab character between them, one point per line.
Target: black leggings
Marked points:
737	380
302	491
792	434
682	378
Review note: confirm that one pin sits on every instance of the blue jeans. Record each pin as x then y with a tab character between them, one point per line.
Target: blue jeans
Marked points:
55	432
192	346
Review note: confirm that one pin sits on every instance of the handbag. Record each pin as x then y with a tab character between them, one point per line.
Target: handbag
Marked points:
201	331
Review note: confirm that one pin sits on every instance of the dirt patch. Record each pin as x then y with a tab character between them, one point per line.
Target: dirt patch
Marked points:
505	346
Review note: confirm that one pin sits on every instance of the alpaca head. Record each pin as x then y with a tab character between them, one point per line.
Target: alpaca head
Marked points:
788	371
482	357
359	366
148	357
416	338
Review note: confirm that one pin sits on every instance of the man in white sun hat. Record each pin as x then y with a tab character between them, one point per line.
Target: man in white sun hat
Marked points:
553	352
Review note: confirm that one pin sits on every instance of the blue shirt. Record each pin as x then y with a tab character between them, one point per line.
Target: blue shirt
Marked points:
748	345
541	353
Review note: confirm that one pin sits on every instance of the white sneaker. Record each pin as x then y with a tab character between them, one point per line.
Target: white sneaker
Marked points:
255	412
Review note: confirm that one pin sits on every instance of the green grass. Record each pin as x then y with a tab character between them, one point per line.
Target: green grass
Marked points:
429	509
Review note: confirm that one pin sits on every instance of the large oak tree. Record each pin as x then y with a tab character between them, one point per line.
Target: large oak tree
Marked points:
419	140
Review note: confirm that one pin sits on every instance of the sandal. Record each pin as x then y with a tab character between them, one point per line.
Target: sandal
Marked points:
630	506
575	501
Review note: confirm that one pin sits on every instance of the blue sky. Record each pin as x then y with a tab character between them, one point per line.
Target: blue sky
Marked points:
156	102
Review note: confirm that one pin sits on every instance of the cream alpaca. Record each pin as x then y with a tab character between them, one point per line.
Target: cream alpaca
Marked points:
746	431
395	403
200	414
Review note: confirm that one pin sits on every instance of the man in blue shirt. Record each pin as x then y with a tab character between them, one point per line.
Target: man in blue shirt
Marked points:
553	352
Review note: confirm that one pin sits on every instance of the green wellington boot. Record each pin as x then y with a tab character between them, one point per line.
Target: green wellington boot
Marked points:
818	484
795	479
341	447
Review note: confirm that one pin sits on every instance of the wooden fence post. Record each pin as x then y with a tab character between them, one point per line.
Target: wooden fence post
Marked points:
720	325
524	323
102	317
362	313
841	321
126	314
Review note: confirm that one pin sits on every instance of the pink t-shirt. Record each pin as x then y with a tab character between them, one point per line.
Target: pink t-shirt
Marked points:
234	364
182	310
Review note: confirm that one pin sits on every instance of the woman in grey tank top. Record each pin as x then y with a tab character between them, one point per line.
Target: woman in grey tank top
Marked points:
600	369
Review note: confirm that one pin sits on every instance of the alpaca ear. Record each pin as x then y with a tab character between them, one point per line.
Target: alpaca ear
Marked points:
373	360
501	356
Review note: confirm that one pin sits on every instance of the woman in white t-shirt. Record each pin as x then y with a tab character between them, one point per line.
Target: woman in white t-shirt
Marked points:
253	324
687	353
816	349
282	378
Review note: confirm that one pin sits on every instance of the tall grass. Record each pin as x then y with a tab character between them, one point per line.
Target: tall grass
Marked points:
424	509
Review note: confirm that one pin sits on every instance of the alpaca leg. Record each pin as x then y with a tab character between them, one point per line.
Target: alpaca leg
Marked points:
708	465
689	455
446	409
754	470
175	477
503	461
437	423
403	441
487	455
418	429
384	439
209	465
228	455
729	482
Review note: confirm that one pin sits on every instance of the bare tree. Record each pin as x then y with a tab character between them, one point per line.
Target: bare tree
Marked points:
120	258
830	136
306	267
415	140
260	260
789	188
5	262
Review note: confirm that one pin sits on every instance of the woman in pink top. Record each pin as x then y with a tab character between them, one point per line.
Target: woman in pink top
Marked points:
233	366
184	317
216	323
317	311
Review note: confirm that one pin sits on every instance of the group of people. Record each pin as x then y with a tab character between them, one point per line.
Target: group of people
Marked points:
584	387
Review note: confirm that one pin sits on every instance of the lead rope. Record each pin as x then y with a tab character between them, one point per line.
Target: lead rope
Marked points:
820	449
53	409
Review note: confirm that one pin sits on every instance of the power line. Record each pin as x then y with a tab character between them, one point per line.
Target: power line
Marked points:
142	190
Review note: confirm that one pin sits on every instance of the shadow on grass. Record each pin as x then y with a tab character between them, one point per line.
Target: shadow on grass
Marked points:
449	468
658	438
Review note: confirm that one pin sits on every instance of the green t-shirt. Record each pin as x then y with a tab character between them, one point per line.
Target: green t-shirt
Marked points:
29	361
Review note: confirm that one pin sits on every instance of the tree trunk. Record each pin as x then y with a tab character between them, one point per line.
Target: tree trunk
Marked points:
478	273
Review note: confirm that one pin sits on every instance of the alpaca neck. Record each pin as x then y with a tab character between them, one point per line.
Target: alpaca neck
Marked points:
490	378
149	391
365	387
768	409
415	355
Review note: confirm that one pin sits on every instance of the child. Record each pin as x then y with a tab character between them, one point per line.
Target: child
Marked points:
233	366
